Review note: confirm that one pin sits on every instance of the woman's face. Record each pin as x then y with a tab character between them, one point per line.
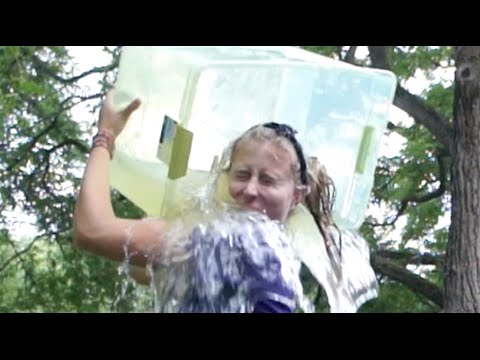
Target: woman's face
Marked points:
261	178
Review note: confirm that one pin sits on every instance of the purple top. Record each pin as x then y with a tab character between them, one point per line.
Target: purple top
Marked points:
272	307
231	264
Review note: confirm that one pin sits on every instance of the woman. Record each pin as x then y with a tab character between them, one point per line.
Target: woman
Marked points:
267	172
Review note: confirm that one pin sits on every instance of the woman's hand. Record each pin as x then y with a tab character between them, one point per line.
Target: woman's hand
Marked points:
114	121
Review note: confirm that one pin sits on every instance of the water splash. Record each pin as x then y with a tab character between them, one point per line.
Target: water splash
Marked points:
132	297
219	258
225	260
212	258
358	283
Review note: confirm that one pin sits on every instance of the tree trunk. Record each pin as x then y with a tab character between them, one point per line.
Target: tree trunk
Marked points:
462	267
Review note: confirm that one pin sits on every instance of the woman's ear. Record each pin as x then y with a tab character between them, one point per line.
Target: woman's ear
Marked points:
299	196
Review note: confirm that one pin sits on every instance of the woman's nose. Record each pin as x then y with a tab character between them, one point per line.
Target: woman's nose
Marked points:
251	188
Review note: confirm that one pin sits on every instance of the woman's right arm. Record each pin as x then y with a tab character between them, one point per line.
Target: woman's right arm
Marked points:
96	228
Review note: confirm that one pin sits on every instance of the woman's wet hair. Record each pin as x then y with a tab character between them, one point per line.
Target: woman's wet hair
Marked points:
319	201
289	133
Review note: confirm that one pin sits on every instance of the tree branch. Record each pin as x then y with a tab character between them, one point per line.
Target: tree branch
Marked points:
421	197
31	144
414	105
86	98
19	256
68	141
350	55
41	66
408	257
379	57
401	211
19	253
414	282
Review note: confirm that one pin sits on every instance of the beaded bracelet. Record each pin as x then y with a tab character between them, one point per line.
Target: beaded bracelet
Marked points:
105	139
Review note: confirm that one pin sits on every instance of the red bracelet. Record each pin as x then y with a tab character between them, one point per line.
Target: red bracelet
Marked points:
105	139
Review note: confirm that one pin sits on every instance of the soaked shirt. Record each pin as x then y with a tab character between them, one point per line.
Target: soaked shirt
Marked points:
226	271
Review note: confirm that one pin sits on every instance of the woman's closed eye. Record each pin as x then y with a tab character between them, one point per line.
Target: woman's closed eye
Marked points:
241	175
267	180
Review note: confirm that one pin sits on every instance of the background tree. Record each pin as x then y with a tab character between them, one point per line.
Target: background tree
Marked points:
462	280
